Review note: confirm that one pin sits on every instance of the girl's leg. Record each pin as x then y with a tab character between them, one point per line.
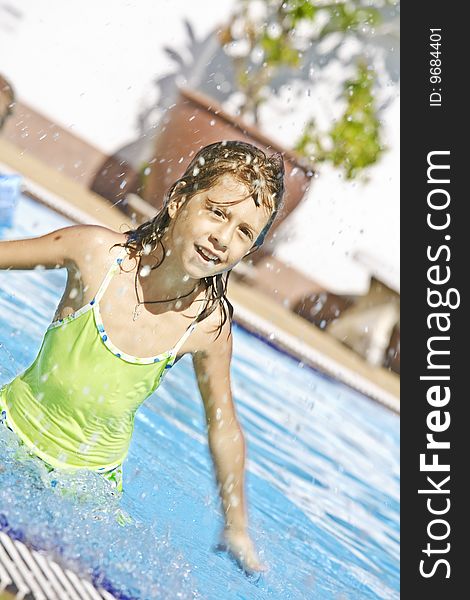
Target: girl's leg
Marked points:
3	418
114	476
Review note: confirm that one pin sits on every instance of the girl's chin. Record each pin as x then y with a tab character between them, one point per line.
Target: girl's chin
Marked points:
200	271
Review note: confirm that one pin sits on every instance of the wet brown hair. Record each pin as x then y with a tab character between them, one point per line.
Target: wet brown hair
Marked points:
264	179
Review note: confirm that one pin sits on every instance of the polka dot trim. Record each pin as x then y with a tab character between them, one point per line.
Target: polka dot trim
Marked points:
146	360
169	355
72	316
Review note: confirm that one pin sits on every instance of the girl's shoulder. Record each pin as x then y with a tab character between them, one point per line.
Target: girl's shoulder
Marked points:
80	239
208	339
96	242
106	238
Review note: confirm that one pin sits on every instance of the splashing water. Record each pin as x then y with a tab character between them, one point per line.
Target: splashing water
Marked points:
77	519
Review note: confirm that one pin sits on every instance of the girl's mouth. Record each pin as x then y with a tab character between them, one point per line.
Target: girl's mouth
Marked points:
206	256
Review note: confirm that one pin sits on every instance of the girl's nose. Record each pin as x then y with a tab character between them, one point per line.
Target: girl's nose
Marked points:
221	238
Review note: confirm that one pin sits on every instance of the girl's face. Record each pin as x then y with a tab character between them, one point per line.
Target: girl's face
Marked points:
208	238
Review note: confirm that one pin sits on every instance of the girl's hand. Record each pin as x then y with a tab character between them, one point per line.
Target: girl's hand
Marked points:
240	546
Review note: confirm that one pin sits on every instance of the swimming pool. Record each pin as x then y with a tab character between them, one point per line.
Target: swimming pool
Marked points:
322	480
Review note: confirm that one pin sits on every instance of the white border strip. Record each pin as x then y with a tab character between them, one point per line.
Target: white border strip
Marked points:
33	574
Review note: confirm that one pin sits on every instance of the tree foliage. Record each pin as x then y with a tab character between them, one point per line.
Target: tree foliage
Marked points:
266	37
353	142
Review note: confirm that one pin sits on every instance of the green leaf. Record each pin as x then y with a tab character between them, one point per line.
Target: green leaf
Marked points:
277	51
345	17
300	9
355	138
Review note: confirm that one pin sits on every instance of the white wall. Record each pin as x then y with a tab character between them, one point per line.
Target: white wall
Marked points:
89	66
340	218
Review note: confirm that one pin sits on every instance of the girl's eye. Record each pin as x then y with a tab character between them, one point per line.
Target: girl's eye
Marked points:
217	212
247	232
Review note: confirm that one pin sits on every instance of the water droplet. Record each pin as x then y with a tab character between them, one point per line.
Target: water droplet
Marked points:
234	500
145	271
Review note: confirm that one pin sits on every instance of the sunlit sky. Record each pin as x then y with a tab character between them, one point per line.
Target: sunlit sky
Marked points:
90	65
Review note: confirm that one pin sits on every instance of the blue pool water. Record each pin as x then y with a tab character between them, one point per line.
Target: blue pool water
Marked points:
322	479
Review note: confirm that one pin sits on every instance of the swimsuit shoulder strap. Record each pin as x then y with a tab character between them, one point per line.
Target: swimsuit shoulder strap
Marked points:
187	333
109	275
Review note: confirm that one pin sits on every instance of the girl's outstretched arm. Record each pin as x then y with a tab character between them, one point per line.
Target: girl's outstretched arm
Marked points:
226	443
53	250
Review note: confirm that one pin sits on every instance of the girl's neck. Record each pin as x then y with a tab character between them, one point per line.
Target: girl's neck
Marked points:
166	281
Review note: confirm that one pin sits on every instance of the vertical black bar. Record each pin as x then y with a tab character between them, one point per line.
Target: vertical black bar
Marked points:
434	123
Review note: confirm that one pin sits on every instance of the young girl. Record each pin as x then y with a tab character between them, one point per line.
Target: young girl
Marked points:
129	297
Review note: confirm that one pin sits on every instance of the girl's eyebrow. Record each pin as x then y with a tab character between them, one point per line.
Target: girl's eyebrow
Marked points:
215	203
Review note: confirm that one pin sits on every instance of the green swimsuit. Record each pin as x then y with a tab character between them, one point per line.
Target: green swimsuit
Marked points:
74	406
